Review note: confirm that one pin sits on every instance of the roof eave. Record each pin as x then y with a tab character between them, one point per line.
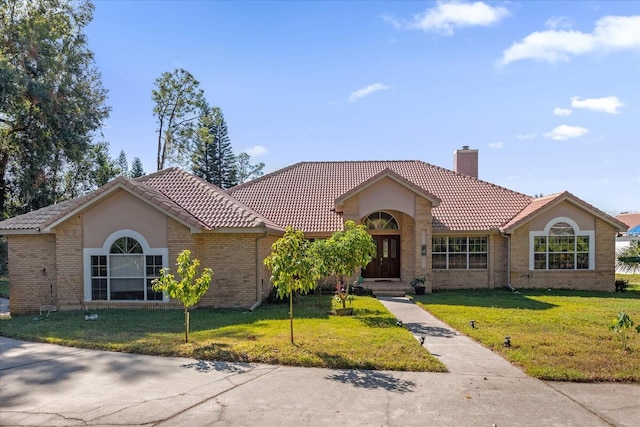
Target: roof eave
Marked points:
560	198
23	231
118	185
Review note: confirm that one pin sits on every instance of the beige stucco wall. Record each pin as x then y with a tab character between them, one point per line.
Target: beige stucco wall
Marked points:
584	220
122	211
385	195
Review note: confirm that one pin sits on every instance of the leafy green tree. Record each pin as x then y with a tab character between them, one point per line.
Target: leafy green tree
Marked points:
292	267
123	165
213	159
136	168
179	102
92	172
189	289
343	253
246	171
628	259
52	101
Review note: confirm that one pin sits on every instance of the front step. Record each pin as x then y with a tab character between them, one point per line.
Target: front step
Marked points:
389	293
393	288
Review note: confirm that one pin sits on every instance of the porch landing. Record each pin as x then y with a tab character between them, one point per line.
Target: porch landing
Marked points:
390	288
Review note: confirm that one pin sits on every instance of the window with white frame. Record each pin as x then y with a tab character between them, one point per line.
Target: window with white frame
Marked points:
561	246
381	221
459	252
123	269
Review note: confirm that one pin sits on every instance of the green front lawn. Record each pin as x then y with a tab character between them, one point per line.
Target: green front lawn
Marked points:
633	279
368	340
555	335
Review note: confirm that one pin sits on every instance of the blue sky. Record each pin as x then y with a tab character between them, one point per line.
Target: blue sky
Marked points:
547	91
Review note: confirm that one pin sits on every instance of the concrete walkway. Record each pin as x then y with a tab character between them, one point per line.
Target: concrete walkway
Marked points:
47	385
458	352
4	307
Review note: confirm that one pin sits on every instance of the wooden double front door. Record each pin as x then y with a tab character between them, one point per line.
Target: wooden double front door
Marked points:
386	264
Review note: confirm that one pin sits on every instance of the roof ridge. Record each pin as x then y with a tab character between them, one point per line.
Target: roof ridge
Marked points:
227	199
262	178
151	175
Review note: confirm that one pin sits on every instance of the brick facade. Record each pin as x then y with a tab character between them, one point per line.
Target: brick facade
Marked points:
30	287
601	278
69	264
46	268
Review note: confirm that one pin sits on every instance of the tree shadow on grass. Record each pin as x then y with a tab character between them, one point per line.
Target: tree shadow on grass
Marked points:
378	321
372	380
492	298
627	294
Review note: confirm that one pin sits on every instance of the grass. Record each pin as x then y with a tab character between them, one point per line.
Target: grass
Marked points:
555	335
368	340
633	279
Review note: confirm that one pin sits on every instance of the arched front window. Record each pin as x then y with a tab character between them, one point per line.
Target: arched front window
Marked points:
123	269
562	246
381	221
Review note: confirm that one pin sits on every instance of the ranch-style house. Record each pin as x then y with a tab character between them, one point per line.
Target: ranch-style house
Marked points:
103	250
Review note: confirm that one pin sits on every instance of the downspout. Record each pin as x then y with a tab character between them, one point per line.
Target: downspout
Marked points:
508	237
259	290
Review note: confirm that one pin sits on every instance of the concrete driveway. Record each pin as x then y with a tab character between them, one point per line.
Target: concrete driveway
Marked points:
48	385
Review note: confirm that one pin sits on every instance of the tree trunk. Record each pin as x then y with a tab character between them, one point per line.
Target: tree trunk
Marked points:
186	325
4	160
291	314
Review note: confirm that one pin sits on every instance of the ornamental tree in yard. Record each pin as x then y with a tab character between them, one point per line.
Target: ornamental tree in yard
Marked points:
190	289
343	253
292	267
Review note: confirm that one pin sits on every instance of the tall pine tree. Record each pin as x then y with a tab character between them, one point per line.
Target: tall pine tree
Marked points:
136	168
213	159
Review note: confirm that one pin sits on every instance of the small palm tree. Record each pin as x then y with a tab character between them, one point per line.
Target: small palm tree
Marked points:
628	259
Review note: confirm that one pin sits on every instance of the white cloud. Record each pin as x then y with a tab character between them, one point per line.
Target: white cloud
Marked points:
527	136
361	93
564	132
393	21
556	22
609	104
256	151
448	16
562	111
496	145
611	33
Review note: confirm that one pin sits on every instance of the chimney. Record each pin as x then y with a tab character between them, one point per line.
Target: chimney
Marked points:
465	161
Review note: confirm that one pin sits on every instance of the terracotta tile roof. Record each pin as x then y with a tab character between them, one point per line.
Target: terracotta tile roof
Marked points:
190	200
303	195
631	220
540	204
211	205
32	221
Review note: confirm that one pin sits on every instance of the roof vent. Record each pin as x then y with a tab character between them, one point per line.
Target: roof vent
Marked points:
465	161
